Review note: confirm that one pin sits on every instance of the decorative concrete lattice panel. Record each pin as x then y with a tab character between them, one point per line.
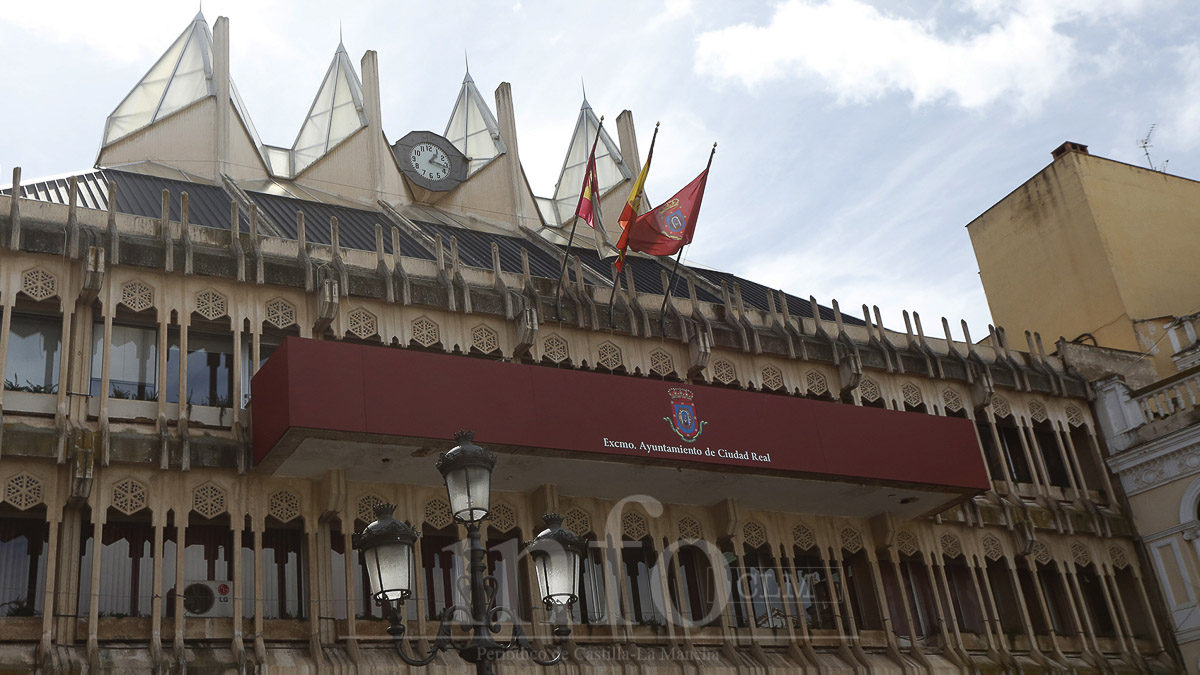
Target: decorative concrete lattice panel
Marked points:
504	517
754	534
633	525
610	356
912	395
689	528
951	548
208	500
1037	411
1120	559
952	400
136	295
992	548
39	284
211	305
437	513
907	543
1041	553
555	348
366	507
803	537
281	314
1074	416
1080	555
23	491
425	332
362	324
661	363
816	383
772	378
577	521
851	540
868	390
485	339
283	505
724	373
129	496
1000	406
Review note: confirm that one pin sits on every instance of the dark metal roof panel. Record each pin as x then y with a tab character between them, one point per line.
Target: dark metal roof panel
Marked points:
138	195
475	250
356	227
755	295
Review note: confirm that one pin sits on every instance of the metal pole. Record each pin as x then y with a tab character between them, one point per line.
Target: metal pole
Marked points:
479	605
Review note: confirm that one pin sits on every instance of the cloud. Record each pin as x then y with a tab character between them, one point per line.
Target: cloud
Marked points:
1013	50
1184	125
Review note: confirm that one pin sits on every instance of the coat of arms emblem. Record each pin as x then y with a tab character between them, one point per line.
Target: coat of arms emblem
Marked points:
683	419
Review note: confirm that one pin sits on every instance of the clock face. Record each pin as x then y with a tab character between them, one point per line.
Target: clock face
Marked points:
429	161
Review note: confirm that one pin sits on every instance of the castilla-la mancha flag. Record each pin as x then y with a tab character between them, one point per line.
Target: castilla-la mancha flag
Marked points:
667	228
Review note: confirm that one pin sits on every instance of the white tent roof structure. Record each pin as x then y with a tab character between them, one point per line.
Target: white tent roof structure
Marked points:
610	167
336	112
181	76
472	127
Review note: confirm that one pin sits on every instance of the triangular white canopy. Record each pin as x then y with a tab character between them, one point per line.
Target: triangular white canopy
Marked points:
336	112
610	168
181	76
472	127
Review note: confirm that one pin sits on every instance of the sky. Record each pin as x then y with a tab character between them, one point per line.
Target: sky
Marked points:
857	138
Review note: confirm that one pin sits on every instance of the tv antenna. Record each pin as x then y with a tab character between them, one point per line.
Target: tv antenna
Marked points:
1145	145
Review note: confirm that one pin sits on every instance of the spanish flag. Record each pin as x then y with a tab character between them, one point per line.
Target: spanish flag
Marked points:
633	204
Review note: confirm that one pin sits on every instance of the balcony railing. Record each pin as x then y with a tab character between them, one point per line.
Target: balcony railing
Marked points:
1170	396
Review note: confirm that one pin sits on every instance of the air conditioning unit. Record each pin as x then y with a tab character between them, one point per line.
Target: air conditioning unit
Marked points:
208	599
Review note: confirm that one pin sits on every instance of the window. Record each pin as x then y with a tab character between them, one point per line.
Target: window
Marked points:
766	596
591	608
503	561
133	362
861	591
284	589
1057	599
1005	597
1051	455
442	562
810	590
127	567
24	538
209	370
34	349
643	600
696	584
991	453
1094	601
1014	452
265	349
964	597
914	580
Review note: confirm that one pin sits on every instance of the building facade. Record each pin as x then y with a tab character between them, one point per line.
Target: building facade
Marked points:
221	355
1112	245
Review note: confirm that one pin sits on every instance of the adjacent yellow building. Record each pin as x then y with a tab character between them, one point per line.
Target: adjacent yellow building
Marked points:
1096	250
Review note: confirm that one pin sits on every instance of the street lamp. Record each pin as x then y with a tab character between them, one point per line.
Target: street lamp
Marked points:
387	550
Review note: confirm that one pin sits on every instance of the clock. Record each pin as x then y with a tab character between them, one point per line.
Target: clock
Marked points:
430	162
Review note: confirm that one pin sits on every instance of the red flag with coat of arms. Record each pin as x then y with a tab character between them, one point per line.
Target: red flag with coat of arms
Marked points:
669	227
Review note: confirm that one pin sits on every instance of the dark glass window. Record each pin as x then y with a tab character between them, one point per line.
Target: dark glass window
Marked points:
1014	453
127	568
763	588
209	370
861	591
504	563
443	563
1051	455
1093	599
964	597
695	587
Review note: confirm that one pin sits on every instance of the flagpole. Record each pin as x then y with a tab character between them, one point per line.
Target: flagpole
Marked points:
662	312
587	165
620	257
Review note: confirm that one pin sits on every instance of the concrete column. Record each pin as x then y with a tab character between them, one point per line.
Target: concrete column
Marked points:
224	110
376	144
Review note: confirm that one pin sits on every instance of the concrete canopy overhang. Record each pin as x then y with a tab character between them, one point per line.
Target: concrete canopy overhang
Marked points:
382	414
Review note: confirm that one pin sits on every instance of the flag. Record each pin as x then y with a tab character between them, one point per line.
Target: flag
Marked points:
589	196
669	227
632	205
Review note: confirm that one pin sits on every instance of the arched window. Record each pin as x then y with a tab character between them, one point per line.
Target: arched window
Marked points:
643	589
24	538
810	589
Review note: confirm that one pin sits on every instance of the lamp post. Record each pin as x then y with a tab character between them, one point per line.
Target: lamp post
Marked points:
387	550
